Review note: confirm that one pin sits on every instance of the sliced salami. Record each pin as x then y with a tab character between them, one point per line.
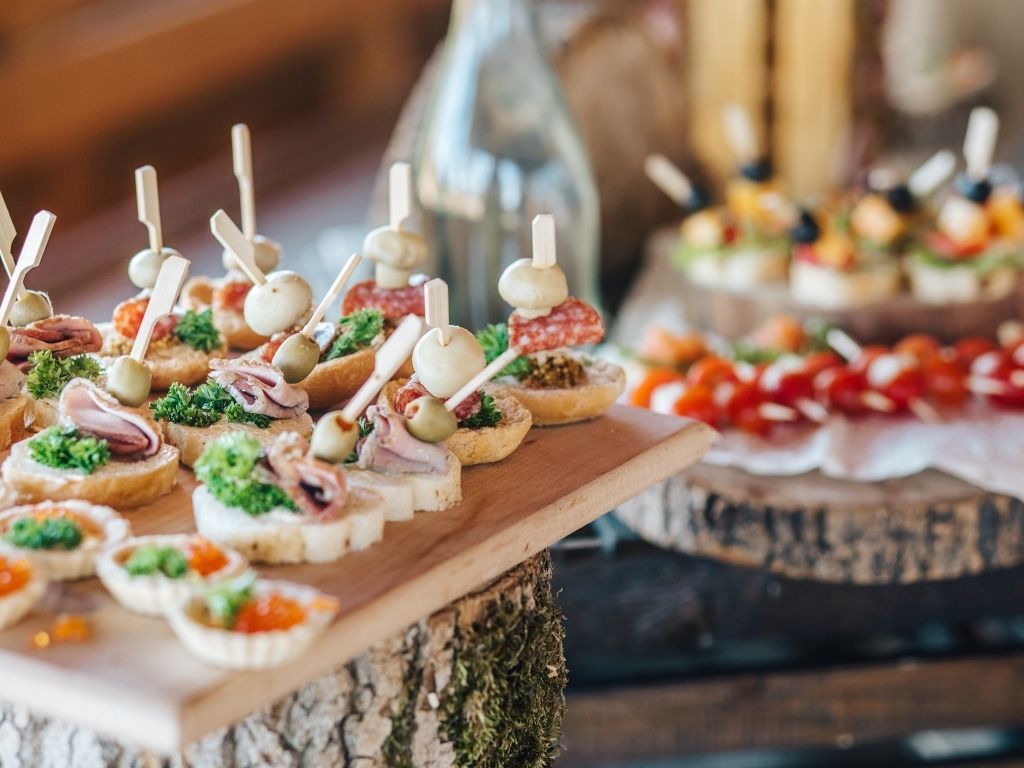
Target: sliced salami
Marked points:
413	389
571	323
395	303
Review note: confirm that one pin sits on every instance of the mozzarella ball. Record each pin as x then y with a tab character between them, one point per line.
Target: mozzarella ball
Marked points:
527	288
395	248
34	305
129	381
443	370
145	266
278	304
266	252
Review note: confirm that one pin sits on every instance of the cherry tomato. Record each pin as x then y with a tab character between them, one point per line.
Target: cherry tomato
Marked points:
787	382
128	317
816	362
271	347
782	333
908	385
843	390
654	378
743	410
970	349
698	403
945	382
231	295
867	357
710	372
919	346
1002	372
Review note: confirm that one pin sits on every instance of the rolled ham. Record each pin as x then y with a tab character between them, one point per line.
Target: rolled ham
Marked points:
128	432
62	335
317	488
390	448
259	388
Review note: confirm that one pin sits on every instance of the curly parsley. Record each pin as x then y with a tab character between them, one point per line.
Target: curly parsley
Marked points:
150	559
228	470
49	374
494	340
487	416
226	600
356	331
203	406
196	329
63	448
44	533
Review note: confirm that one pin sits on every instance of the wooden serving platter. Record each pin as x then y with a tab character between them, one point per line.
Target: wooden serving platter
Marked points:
135	682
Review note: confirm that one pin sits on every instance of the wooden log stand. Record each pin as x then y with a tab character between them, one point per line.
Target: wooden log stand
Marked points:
926	527
477	683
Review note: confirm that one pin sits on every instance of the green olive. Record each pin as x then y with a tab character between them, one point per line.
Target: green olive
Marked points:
145	266
428	420
5	342
297	357
334	439
34	305
129	381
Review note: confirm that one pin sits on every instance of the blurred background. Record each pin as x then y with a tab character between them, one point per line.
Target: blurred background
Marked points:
671	658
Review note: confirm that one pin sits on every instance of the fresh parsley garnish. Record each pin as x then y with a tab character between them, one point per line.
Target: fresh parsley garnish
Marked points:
226	600
203	406
228	469
63	448
48	374
356	331
365	428
44	533
487	416
150	559
196	329
494	340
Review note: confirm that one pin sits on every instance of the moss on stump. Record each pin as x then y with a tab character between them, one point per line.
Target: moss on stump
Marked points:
479	683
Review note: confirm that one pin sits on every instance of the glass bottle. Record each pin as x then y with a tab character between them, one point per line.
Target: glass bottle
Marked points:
497	147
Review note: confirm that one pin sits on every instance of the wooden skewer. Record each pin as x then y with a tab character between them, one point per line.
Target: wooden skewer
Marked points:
813	410
7	235
843	344
981	385
147	199
876	401
399	194
667	177
488	373
930	175
241	155
389	358
544	255
1017	379
924	410
980	141
30	256
435	303
172	276
739	132
231	237
332	293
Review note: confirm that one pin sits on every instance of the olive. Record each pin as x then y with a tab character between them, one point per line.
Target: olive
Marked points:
266	252
278	304
901	199
428	420
129	381
806	229
34	305
5	342
296	357
145	266
975	190
757	170
334	439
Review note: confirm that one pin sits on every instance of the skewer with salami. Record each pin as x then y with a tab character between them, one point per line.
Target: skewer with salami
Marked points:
557	384
491	423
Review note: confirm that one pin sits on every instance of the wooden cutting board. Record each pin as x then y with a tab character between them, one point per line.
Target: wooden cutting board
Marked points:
135	682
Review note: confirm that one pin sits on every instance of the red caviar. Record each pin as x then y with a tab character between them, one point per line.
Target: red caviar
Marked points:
13	575
267	613
204	557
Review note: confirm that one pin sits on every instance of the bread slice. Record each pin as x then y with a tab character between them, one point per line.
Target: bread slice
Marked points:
828	288
13	414
169	360
197	295
484	445
395	489
335	381
420	491
121	484
192	441
551	407
283	536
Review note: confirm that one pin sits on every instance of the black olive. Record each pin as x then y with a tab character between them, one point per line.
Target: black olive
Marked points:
806	229
900	198
699	199
757	170
975	190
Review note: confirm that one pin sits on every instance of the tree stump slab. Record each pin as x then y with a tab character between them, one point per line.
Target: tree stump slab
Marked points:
926	527
479	683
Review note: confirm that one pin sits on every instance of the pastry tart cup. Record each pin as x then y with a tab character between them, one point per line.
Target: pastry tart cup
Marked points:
259	650
155	595
78	563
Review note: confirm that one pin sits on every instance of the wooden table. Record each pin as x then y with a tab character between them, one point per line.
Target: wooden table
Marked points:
134	682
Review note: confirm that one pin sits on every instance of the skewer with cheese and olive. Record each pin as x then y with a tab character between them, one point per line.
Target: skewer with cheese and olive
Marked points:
961	260
145	265
30	306
266	252
556	384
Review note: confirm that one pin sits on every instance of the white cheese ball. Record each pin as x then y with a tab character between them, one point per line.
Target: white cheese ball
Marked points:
278	304
443	370
396	253
526	287
266	252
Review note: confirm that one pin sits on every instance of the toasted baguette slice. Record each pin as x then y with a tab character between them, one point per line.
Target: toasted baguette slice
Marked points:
192	441
337	380
422	491
283	536
169	360
13	414
197	295
121	484
484	445
551	407
395	489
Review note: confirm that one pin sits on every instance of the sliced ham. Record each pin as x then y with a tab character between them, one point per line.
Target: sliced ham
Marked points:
63	335
128	432
259	387
317	488
413	389
390	447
